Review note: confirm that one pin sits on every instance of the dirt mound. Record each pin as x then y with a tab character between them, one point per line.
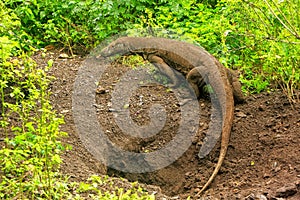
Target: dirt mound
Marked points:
263	160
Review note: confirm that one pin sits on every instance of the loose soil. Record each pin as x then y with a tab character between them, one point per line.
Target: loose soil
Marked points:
262	162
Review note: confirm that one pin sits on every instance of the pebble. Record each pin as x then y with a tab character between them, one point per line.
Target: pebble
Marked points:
256	197
63	56
100	90
261	108
250	197
261	197
286	191
241	114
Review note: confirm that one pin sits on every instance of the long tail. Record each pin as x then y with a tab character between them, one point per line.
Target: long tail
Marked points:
227	117
217	168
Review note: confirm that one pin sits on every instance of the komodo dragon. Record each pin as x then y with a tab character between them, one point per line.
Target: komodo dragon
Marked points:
195	78
188	59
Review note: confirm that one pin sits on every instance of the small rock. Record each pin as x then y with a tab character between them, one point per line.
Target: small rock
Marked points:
261	108
269	182
286	191
64	111
100	90
63	56
196	190
97	105
241	114
72	176
267	175
188	174
261	197
277	169
298	183
250	197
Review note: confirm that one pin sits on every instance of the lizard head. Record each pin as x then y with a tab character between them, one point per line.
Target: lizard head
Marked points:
119	46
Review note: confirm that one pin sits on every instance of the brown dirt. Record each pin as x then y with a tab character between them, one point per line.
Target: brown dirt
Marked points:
263	160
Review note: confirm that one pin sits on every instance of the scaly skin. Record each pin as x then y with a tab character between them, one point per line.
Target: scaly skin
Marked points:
188	59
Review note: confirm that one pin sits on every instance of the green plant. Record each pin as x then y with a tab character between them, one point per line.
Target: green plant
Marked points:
104	188
30	160
272	34
259	38
77	23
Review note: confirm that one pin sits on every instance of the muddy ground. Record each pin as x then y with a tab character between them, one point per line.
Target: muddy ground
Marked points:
262	162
